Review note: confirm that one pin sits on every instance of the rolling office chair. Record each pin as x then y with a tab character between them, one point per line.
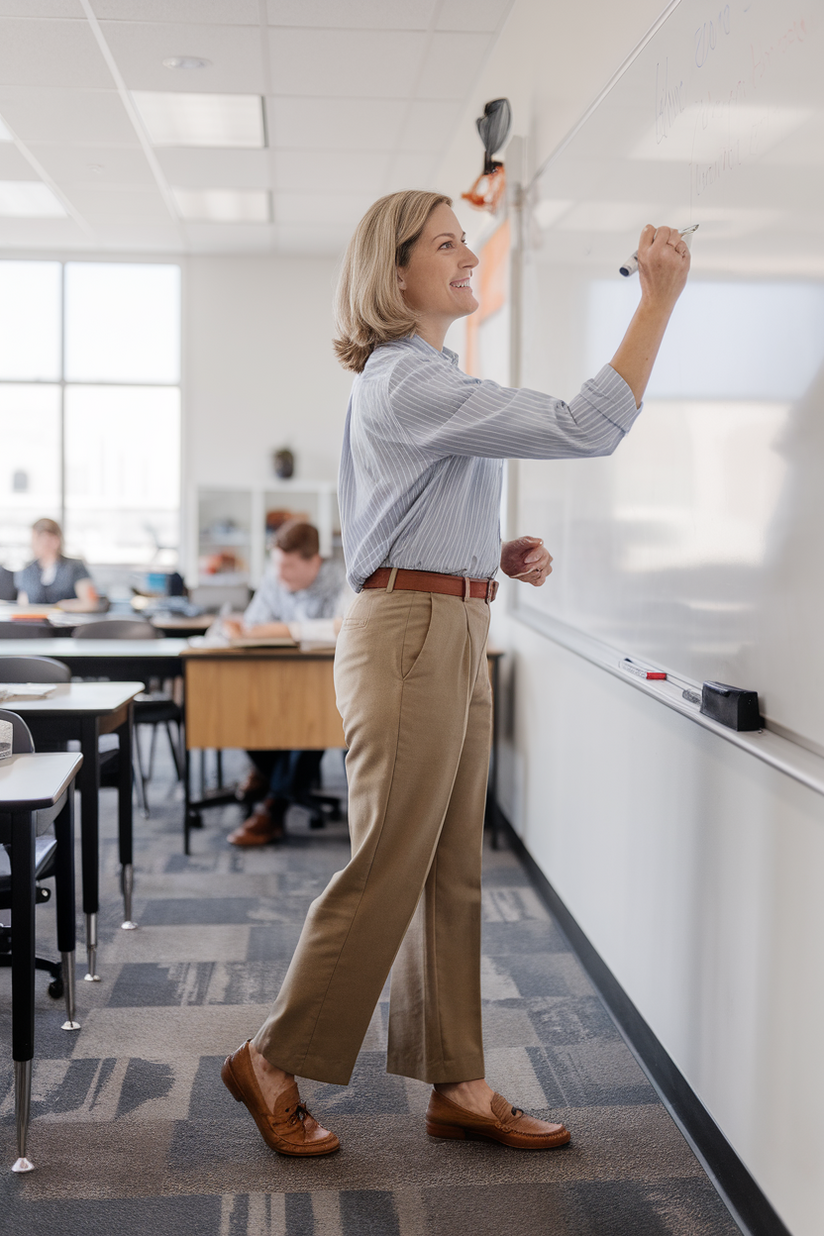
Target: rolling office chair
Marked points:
54	856
152	708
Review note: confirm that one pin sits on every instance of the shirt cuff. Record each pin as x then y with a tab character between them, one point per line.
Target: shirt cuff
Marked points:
612	397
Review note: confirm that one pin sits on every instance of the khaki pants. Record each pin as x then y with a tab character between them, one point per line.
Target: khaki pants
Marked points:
413	690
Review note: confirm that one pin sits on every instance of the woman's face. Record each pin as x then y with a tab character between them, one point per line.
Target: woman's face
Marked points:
436	282
45	544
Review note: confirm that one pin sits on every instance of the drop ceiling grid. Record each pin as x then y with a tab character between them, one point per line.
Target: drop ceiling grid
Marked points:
352	112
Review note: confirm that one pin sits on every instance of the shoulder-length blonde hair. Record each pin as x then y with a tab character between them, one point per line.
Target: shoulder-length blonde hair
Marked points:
369	307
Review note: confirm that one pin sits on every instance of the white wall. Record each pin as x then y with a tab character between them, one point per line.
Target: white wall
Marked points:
259	371
697	872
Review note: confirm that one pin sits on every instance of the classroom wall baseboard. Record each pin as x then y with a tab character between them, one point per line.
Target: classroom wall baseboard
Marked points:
748	1205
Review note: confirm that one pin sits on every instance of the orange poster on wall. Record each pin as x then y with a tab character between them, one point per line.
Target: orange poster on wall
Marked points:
492	291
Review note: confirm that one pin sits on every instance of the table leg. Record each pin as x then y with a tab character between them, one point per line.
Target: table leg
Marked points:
125	736
22	975
88	783
64	889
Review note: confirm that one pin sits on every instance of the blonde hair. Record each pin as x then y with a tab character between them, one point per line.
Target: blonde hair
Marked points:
369	306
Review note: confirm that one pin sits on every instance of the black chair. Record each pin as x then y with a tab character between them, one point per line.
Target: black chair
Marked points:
54	857
151	707
33	669
8	588
23	629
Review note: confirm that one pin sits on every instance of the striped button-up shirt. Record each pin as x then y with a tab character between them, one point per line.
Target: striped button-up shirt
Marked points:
423	451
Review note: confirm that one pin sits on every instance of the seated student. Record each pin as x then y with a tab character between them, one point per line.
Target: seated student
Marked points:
51	577
298	589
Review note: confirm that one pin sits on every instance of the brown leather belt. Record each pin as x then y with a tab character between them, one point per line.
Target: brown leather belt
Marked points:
431	581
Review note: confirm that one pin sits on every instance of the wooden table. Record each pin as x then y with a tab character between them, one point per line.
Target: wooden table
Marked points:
30	783
85	711
275	699
121	660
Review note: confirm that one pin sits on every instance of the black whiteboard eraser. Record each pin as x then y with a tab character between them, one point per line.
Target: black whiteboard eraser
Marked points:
731	706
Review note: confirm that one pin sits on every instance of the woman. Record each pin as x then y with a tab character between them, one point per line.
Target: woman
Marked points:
420	490
52	578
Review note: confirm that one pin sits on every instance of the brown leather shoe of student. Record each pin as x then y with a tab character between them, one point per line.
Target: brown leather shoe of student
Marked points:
253	784
508	1124
263	826
290	1128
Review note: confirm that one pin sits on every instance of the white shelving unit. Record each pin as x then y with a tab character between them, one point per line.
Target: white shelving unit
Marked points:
232	519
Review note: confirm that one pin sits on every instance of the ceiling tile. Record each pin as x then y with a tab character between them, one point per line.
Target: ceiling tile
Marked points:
210	12
14	165
97	203
430	125
202	169
352	14
228	237
413	171
327	240
16	234
51	53
41	8
335	171
140	49
452	65
472	14
326	63
75	116
350	124
119	236
94	165
343	210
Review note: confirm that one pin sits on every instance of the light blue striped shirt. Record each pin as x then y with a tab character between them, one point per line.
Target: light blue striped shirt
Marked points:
423	452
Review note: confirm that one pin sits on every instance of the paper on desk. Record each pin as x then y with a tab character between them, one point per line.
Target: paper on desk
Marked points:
26	690
314	633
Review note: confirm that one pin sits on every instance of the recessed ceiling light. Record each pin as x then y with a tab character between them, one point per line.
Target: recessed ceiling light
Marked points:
5	136
29	199
217	120
186	62
223	205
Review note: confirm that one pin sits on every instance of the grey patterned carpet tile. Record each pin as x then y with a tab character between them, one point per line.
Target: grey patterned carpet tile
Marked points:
134	1133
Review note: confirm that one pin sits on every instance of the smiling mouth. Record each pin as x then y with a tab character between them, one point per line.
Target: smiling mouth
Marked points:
464	283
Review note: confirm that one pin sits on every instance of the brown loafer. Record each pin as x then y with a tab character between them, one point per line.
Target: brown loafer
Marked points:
290	1128
508	1125
261	828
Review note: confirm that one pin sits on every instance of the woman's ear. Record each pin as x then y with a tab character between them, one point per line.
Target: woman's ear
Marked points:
401	280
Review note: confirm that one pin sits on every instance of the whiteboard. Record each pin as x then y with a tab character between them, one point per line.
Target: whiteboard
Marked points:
698	544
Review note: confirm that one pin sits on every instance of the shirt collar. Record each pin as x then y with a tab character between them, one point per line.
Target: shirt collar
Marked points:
422	346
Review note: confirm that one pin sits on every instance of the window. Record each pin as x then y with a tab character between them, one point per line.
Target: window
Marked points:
90	408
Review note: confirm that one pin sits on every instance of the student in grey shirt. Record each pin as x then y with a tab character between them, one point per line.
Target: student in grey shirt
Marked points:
420	502
300	593
51	578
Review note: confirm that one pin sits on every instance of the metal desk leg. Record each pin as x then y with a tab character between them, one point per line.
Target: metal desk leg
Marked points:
88	782
125	737
22	975
64	889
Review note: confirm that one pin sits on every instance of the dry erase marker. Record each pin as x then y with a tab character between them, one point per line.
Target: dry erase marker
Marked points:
631	265
639	671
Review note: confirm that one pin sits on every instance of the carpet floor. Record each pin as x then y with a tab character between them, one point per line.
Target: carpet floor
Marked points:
133	1131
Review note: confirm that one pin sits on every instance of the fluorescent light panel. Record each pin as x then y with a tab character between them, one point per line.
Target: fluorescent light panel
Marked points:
216	120
223	205
29	199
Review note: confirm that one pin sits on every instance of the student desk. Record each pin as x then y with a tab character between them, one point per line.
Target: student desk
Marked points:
121	660
84	711
275	699
28	783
